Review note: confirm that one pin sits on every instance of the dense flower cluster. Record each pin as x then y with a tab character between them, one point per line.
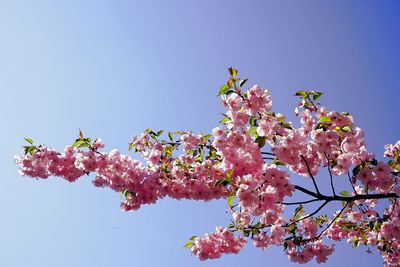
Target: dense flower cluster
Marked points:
244	160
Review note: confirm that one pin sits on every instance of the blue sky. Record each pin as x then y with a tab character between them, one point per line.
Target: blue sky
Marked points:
114	68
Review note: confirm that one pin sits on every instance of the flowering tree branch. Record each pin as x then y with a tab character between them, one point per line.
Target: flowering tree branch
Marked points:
228	163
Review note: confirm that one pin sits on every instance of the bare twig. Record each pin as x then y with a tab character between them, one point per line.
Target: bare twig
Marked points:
354	189
330	173
300	202
311	175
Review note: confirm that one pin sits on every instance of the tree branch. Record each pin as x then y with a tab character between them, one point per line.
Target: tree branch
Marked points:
330	173
309	172
343	198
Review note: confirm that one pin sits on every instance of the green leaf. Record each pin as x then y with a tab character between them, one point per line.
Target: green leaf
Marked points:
159	132
232	72
252	130
277	162
224	120
224	89
344	193
230	200
346	129
170	136
325	119
253	121
130	146
193	237
373	162
286	125
260	140
83	145
317	95
124	193
78	142
299	210
357	169
242	82
29	140
188	244
229	173
397	167
223	182
301	93
292	228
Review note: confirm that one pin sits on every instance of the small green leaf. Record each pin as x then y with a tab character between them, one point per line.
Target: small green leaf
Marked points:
301	93
83	145
253	121
277	162
242	82
344	193
78	142
170	136
159	132
188	244
193	238
286	125
224	89
260	140
252	130
373	162
223	182
230	200
357	169
229	173
232	72
325	119
29	140
292	228
299	210
130	146
346	129
124	193
317	95
224	120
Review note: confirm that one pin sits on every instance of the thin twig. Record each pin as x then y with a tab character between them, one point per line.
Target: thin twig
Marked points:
329	225
268	158
354	189
330	173
344	198
312	176
309	215
300	202
268	153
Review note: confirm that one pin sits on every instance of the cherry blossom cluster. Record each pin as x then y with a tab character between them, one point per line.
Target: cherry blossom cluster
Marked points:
247	160
212	246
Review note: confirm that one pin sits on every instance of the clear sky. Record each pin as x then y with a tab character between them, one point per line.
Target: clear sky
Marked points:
114	68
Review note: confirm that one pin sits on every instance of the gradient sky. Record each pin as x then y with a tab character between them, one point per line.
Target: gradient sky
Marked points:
114	68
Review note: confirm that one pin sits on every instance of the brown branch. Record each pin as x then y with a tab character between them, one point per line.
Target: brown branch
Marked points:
354	189
343	198
312	176
330	173
309	215
326	228
300	202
